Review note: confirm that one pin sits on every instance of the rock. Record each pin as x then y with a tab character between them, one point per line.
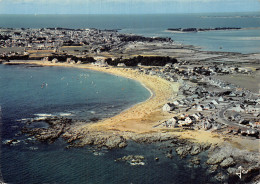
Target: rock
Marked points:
122	144
195	150
56	128
115	142
228	162
183	151
151	138
216	158
251	173
169	155
221	177
205	146
156	159
213	168
195	160
132	159
231	171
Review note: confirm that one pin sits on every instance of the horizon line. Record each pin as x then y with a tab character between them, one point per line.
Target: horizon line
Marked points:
125	13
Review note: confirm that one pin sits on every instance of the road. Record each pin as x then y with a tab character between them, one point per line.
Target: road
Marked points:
222	113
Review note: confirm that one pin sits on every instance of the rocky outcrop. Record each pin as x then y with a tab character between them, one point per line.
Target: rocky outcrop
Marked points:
196	149
228	162
116	141
102	139
195	160
213	168
183	151
132	159
216	158
65	128
153	137
235	161
190	148
54	131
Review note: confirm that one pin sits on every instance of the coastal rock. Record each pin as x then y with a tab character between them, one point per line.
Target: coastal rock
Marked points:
231	171
195	150
221	177
195	160
11	142
115	141
133	159
103	139
213	168
56	128
252	173
169	155
205	146
183	151
151	138
216	158
227	162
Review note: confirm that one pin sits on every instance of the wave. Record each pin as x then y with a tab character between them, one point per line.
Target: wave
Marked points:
65	114
43	115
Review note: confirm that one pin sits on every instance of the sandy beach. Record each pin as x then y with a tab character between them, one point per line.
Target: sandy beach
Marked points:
141	118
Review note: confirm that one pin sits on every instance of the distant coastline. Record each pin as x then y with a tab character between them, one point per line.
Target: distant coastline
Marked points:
202	29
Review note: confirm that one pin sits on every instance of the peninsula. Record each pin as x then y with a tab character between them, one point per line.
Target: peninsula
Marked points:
200	100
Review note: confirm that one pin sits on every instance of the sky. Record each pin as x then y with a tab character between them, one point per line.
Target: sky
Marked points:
126	6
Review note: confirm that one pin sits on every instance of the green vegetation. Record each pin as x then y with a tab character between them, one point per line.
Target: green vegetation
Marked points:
146	61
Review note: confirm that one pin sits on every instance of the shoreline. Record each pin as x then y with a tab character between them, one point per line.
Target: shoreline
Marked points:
145	80
137	124
143	116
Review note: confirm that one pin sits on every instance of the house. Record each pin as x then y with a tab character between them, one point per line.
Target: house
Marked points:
244	122
197	116
252	132
206	125
121	65
55	60
232	94
176	102
173	122
168	107
188	120
200	108
238	108
252	110
152	73
254	124
182	116
235	130
209	106
216	126
215	102
236	117
221	99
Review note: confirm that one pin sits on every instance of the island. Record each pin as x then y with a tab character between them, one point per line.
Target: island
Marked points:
201	29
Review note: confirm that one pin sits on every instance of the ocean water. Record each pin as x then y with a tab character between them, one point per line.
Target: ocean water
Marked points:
31	92
243	41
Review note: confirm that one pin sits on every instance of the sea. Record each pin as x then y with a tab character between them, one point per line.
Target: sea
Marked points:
29	92
246	40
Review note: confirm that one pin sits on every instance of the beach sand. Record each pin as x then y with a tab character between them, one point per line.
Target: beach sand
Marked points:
142	117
